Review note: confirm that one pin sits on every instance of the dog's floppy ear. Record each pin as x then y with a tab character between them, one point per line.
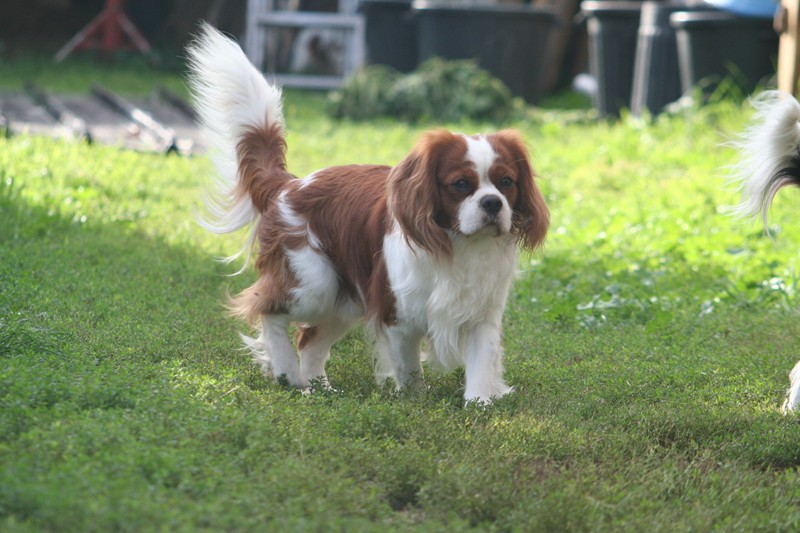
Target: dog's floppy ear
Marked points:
414	198
531	217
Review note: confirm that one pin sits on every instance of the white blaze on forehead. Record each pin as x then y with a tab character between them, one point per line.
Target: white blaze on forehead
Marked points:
472	217
480	152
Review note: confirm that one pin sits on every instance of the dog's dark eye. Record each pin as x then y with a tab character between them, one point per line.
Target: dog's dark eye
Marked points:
505	181
462	185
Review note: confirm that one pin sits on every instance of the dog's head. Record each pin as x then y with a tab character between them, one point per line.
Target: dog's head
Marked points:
453	184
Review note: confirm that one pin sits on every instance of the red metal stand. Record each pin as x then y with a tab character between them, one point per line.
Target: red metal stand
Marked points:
108	31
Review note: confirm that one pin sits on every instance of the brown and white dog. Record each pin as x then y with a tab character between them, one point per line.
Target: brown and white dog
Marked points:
770	161
424	250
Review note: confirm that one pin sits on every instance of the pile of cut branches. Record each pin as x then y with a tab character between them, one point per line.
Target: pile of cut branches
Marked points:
440	90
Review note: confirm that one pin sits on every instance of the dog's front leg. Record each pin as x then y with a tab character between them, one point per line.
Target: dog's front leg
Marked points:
483	363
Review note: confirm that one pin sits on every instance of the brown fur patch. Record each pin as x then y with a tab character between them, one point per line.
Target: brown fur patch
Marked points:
265	296
414	191
346	210
531	218
263	176
304	335
261	153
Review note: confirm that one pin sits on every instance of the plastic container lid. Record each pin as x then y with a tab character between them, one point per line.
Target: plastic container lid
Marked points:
747	8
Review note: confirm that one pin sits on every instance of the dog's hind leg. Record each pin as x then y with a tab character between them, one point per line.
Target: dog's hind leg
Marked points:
273	350
314	344
399	357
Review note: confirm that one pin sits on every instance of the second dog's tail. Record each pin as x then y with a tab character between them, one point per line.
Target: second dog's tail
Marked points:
242	118
770	150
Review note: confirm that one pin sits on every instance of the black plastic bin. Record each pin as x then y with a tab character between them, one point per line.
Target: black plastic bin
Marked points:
613	29
656	76
714	45
511	42
391	34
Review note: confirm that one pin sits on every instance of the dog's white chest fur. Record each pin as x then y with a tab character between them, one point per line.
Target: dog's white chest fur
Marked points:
443	300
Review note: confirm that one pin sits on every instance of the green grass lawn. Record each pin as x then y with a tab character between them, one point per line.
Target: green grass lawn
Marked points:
648	342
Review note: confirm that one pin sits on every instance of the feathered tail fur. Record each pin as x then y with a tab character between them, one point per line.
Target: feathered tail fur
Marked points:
242	118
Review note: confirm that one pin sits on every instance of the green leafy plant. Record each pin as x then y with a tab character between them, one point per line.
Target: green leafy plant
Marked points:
440	90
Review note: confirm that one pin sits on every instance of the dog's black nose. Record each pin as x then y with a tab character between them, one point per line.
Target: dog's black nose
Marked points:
491	204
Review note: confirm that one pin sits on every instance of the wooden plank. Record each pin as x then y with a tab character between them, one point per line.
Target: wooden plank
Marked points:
165	136
5	126
74	124
787	22
307	81
177	102
308	19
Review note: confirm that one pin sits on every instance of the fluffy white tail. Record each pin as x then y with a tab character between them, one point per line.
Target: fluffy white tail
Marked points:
231	97
770	151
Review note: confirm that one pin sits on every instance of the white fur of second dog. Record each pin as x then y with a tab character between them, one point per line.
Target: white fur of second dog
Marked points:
768	147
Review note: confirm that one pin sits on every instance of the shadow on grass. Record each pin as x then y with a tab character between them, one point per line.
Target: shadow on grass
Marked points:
107	293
